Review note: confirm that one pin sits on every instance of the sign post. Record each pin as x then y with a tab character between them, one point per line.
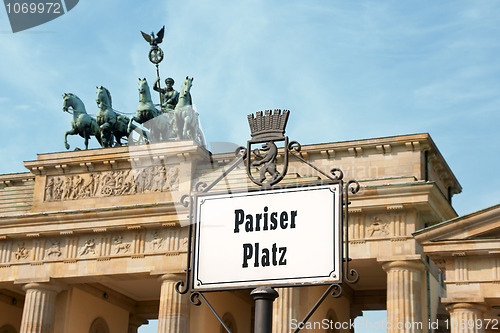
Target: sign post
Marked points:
264	298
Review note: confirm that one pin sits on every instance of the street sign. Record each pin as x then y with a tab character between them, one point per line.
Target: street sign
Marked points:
279	237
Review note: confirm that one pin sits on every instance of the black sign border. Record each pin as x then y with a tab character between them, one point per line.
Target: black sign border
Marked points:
305	187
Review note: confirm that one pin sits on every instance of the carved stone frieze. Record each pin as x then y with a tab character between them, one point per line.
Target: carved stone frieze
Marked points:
378	228
112	183
71	248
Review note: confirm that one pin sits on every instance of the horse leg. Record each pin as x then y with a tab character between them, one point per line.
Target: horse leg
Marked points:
144	134
99	138
179	126
87	137
95	131
118	141
106	135
130	126
201	137
70	132
185	128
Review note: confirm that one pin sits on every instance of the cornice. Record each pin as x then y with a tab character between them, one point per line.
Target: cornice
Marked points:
116	158
454	229
13	179
385	145
419	194
465	247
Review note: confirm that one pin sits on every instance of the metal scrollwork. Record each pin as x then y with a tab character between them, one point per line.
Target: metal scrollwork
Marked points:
240	151
353	187
354	273
186	200
337	174
338	291
200	187
195	298
179	285
295	146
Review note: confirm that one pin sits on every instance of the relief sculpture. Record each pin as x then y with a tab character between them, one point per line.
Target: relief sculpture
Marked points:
22	252
88	248
120	246
112	183
54	249
157	241
378	228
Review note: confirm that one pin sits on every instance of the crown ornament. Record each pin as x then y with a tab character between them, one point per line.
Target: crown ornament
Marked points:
268	125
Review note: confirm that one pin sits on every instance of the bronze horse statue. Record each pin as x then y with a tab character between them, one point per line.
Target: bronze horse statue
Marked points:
157	122
82	123
113	126
187	124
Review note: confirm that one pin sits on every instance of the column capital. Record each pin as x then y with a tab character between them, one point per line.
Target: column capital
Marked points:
46	286
476	307
172	277
413	265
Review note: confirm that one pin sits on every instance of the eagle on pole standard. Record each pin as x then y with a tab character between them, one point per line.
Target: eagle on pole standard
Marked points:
151	39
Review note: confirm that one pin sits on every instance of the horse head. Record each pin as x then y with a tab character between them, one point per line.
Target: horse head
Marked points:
66	102
144	91
103	97
71	100
186	86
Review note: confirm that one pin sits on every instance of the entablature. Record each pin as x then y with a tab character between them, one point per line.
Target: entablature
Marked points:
93	220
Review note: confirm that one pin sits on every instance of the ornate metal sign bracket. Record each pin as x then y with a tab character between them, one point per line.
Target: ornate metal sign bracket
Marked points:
267	129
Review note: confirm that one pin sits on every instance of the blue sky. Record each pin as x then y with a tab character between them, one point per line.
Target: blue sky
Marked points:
346	69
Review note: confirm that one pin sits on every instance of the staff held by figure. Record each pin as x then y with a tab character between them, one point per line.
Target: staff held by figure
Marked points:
156	55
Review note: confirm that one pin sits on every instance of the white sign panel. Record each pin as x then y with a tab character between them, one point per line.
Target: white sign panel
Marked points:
277	237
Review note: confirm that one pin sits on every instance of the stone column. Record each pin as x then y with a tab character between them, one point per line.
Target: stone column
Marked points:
285	308
404	296
172	316
465	316
39	308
